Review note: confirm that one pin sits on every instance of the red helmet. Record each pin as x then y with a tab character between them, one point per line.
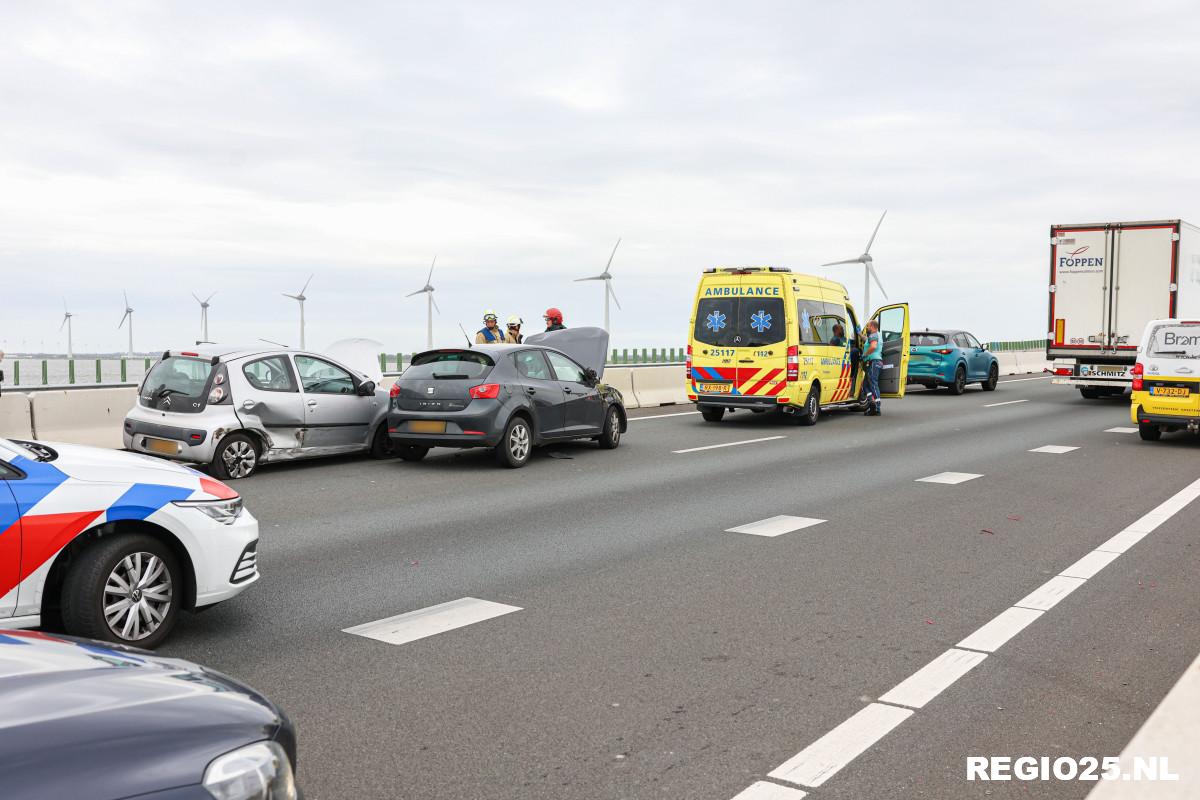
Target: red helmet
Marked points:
553	316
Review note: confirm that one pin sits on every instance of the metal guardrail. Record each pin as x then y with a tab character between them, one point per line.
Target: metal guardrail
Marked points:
125	372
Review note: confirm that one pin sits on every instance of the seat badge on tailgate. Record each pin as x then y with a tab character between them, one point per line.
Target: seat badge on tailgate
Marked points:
429	390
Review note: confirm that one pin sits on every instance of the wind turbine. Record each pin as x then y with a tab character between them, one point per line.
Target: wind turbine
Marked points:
300	298
606	276
204	315
67	322
128	316
868	268
430	303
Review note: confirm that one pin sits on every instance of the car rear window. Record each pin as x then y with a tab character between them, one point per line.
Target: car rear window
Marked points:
181	379
740	321
449	365
1175	341
927	339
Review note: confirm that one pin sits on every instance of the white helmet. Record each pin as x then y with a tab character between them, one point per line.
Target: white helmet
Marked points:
515	320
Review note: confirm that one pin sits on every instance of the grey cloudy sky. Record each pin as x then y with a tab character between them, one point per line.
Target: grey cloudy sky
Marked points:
176	147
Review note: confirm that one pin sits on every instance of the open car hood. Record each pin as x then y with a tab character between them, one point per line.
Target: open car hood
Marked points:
588	346
359	354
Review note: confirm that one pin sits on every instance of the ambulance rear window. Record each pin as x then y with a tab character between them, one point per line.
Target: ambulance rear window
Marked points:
740	321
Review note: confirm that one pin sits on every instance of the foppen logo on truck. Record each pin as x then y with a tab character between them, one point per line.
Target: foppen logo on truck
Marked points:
1076	261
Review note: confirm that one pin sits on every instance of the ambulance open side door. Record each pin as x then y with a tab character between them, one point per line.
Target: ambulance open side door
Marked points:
894	335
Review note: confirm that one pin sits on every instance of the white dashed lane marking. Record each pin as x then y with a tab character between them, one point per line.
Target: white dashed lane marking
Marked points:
761	790
1019	380
664	416
818	762
1053	448
950	477
930	680
409	627
1005	403
1120	430
776	526
729	444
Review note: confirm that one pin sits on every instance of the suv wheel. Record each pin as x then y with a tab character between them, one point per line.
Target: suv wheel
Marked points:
992	379
236	457
516	444
125	588
960	380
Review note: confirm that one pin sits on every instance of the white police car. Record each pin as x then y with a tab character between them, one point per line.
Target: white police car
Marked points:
112	545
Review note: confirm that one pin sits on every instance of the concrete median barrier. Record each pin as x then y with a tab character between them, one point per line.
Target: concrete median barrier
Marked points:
82	416
16	421
621	379
659	386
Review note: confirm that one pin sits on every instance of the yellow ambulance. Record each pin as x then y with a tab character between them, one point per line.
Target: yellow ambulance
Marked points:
766	338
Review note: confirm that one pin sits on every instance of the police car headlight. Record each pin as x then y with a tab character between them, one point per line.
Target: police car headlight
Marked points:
260	771
223	511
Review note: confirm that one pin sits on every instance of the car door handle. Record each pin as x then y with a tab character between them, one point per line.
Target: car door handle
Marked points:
247	404
530	390
312	403
568	390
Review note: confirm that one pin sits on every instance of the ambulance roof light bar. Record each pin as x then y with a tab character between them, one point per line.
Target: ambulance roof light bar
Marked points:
747	270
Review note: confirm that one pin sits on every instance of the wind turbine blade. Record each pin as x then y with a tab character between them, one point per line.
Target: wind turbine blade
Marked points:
307	282
431	266
121	324
434	301
613	294
125	294
847	261
877	224
874	275
63	325
614	252
293	296
211	296
417	292
593	278
198	300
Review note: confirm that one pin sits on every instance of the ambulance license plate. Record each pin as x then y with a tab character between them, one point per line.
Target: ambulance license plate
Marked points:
426	426
161	446
1168	391
715	388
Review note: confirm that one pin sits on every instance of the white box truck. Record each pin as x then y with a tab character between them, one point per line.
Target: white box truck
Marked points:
1107	281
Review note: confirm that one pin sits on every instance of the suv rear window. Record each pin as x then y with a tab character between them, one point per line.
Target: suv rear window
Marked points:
449	365
740	321
177	383
927	339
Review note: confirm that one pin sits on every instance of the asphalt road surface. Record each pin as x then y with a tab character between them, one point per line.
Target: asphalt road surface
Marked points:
656	655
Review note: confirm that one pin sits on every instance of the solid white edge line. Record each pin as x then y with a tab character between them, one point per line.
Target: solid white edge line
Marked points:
991	636
821	760
1090	564
932	679
663	416
1038	378
1048	595
761	790
728	444
1005	403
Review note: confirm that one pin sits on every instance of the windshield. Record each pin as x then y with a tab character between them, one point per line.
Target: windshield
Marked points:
449	365
1178	341
927	339
740	321
177	383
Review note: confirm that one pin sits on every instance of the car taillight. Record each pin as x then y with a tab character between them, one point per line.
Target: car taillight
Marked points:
689	361
1062	371
1137	371
943	351
793	363
395	390
485	391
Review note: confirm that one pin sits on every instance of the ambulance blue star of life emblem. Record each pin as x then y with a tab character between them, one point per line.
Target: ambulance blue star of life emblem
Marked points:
716	321
760	321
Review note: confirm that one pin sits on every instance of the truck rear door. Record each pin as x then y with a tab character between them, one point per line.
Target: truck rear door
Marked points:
1144	280
1080	261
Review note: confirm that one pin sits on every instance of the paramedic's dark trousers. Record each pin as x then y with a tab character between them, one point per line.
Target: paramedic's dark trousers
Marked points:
873	370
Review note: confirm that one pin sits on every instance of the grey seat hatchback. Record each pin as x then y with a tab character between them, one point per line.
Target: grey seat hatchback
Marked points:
233	408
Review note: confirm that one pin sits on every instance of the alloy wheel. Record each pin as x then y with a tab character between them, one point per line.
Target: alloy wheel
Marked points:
239	458
614	423
518	442
137	596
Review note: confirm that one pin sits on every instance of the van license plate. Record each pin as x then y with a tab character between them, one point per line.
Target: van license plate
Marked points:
1168	391
162	446
715	388
426	426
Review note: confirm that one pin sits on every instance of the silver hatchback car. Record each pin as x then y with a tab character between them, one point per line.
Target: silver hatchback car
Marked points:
235	408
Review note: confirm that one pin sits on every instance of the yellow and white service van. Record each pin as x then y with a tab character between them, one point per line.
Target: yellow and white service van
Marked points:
1166	378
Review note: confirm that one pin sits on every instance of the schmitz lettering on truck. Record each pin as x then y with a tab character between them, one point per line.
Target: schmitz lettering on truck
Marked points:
1076	261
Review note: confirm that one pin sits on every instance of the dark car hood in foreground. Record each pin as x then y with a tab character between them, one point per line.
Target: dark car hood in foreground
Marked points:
85	719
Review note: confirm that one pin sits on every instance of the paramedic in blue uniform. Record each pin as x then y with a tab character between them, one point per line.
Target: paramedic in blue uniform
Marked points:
873	364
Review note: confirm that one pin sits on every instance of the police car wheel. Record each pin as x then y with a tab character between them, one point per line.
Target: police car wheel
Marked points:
1149	433
711	414
411	452
236	457
516	445
124	588
960	381
611	436
992	379
812	409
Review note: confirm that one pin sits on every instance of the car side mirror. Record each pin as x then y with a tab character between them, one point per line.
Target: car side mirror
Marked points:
366	388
